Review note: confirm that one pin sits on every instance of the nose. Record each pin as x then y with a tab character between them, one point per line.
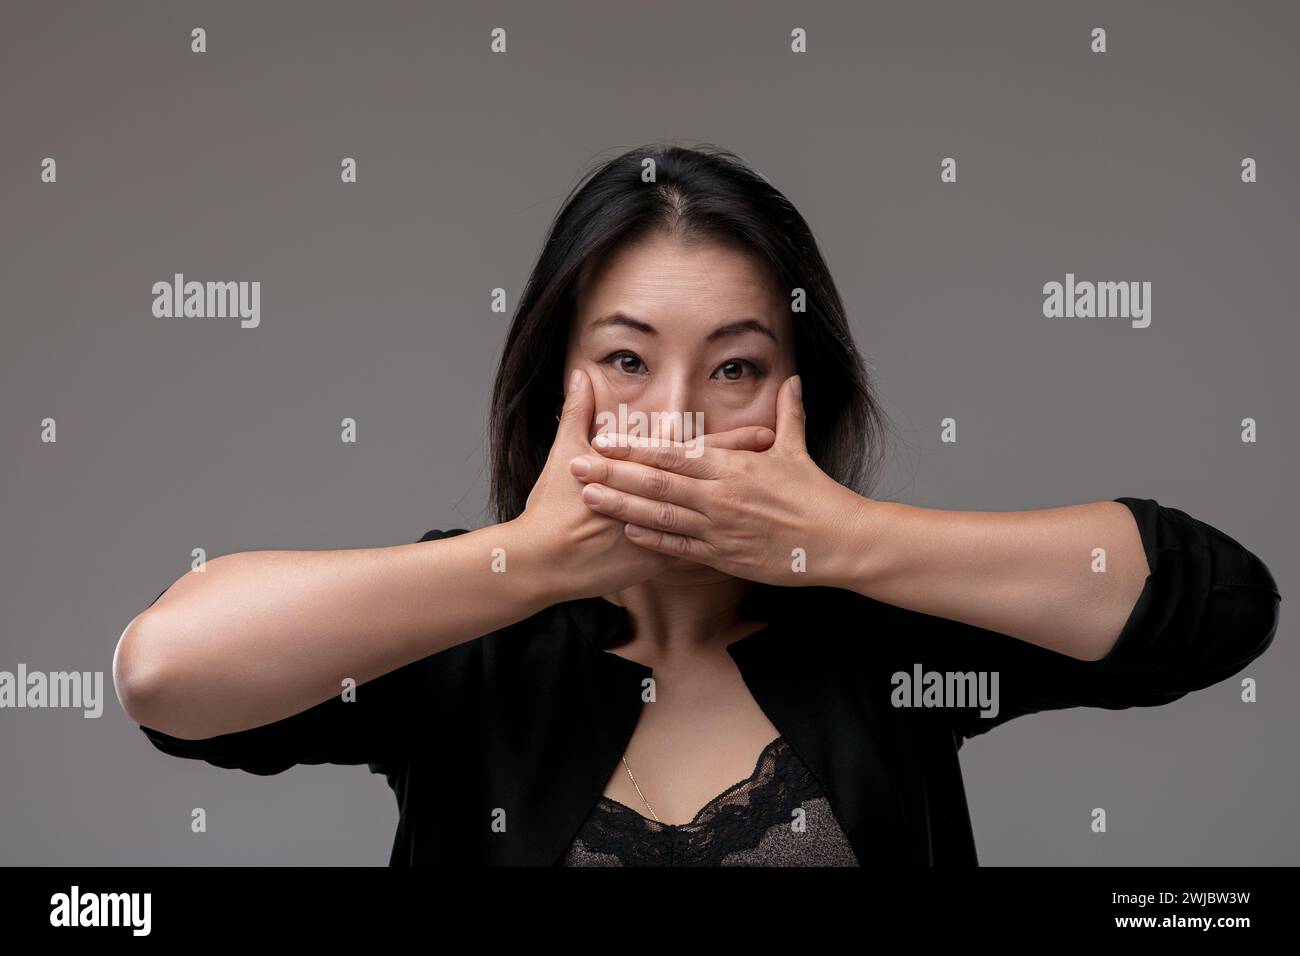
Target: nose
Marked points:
673	399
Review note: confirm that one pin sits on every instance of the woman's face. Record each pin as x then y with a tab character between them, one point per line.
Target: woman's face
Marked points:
698	330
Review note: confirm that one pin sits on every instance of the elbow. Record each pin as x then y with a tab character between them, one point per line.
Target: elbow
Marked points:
137	670
152	652
1245	605
1242	627
1256	614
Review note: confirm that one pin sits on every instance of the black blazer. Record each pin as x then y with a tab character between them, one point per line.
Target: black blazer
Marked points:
524	726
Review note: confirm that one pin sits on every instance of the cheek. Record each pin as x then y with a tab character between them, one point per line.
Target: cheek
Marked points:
604	416
727	411
610	389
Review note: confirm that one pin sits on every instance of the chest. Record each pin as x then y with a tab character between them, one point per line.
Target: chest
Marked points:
699	732
542	741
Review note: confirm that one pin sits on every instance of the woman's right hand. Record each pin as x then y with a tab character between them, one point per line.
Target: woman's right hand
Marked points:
587	553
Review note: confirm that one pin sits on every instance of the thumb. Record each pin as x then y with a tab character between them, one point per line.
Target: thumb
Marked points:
575	419
790	416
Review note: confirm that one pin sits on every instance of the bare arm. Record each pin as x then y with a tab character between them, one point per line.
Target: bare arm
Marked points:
1028	574
258	636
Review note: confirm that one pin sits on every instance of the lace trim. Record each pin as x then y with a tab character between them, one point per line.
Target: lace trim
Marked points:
736	819
704	813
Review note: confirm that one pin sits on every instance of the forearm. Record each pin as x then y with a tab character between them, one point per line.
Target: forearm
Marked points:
258	636
1027	574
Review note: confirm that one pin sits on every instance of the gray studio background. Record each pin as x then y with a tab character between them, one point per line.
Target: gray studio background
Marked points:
183	433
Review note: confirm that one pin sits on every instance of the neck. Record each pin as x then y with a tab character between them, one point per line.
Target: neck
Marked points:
684	610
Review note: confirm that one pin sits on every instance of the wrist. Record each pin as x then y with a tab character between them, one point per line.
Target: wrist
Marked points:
528	559
857	556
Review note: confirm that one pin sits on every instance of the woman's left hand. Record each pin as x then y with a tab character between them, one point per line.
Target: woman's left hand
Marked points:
773	516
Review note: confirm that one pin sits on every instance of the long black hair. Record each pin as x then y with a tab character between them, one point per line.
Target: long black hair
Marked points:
700	194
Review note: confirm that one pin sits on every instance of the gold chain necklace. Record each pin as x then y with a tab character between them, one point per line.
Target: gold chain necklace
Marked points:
638	790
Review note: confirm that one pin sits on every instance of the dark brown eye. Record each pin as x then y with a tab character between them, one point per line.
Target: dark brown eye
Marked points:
624	361
734	371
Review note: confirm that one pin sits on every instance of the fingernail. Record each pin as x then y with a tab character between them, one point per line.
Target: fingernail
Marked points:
766	435
575	380
601	440
796	386
592	494
635	531
580	466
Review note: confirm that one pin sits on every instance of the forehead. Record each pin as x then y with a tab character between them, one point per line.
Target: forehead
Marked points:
663	279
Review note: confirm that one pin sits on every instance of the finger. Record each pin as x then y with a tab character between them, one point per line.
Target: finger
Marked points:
657	515
745	438
579	402
682	458
790	416
643	481
677	545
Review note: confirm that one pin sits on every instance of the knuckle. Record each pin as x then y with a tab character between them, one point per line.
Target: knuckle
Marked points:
655	484
665	456
724	499
665	517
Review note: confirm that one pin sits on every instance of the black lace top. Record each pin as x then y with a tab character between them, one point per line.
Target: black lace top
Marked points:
777	816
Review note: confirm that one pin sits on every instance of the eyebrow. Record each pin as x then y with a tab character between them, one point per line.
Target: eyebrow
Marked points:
738	327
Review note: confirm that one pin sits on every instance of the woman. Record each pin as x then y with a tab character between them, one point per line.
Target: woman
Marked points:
675	648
